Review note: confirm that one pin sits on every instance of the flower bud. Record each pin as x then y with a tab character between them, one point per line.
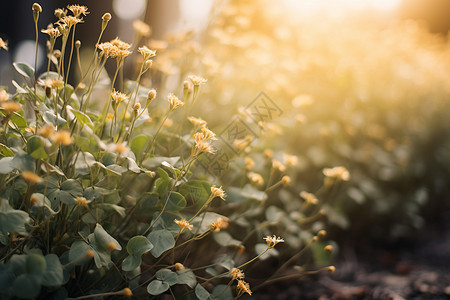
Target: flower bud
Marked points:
106	17
78	44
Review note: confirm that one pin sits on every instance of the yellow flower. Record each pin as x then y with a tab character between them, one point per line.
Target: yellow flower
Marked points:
309	198
69	21
179	266
244	287
120	148
127	292
3	44
118	97
62	137
11	107
340	173
197	121
208	134
46	130
110	116
52	32
31	177
81	201
255	178
278	165
4	96
147	53
236	273
77	10
60	13
168	123
249	163
121	45
273	240
290	160
218	192
197	80
286	180
331	269
142	28
220	223
203	146
174	101
183	224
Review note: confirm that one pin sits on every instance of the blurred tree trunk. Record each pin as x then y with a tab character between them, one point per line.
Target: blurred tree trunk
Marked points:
162	16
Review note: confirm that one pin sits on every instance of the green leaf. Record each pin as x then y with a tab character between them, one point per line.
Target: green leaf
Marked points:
187	277
163	183
19	89
138	245
67	192
18	120
35	147
24	162
162	241
82	118
35	264
82	162
24	69
12	220
50	117
153	162
5	165
202	293
5	151
26	286
222	292
104	240
157	287
131	262
196	191
224	239
139	144
78	253
53	275
176	201
168	276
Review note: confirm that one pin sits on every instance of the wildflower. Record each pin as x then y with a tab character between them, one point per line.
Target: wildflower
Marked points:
77	10
3	44
53	83
244	287
34	199
197	121
127	292
331	269
113	246
286	180
137	107
268	153
168	123
199	137
183	224
150	96
278	165
273	240
120	148
203	146
90	253
174	102
60	13
4	96
110	116
208	134
328	248
236	273
290	160
197	80
255	178
11	107
62	137
218	192
322	233
81	201
309	198
121	45
179	266
147	53
142	28
36	7
249	163
69	21
220	223
31	177
46	130
52	32
118	97
340	173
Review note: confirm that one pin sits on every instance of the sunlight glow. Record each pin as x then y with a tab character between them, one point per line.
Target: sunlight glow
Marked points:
313	6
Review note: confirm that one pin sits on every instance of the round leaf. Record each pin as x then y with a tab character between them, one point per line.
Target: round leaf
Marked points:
138	245
131	262
157	287
162	241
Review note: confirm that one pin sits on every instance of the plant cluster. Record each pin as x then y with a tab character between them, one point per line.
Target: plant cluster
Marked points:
101	193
